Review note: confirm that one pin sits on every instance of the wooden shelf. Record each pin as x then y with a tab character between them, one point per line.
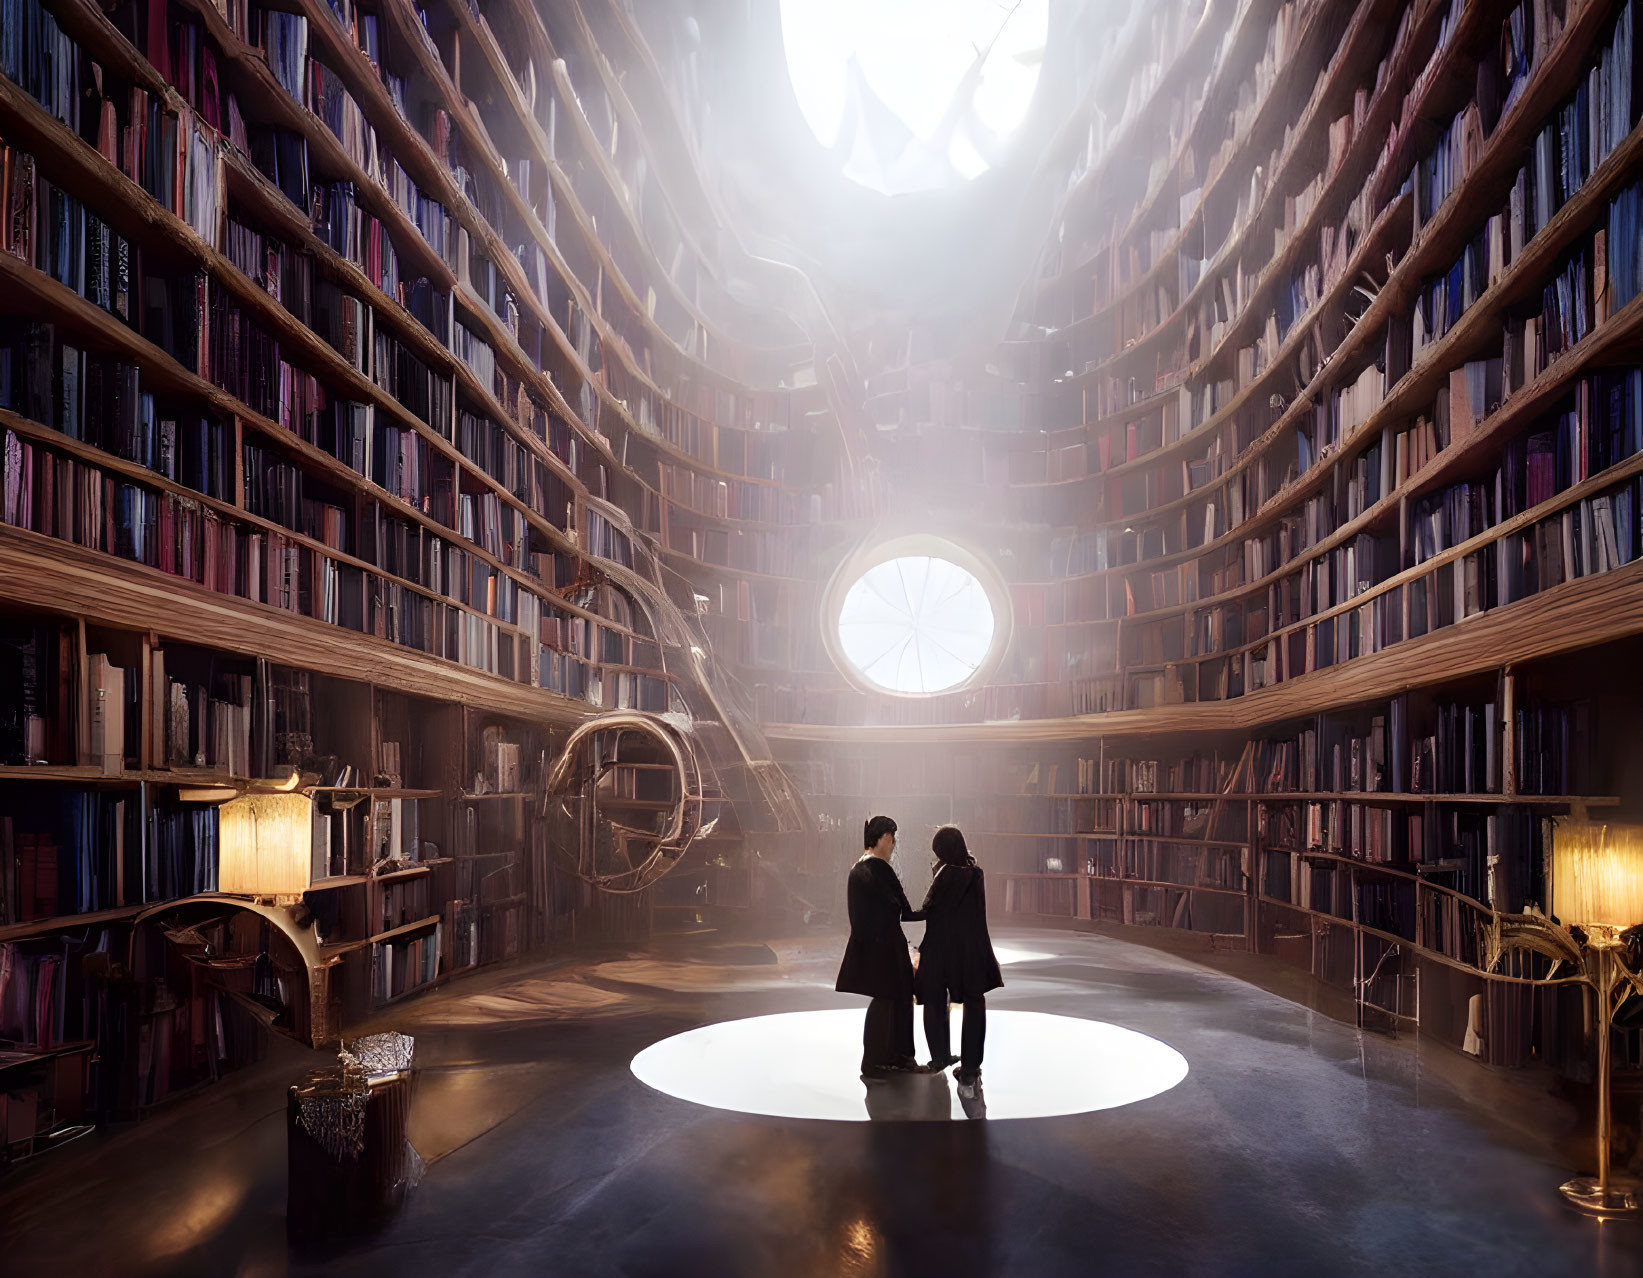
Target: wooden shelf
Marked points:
61	577
1181	840
1367	18
404	872
338	881
377	792
71	922
436	76
1102	879
348	947
67	773
1374	798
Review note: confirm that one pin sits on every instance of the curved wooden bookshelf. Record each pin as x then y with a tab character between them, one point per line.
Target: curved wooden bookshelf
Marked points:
1243	25
1444	235
1240	235
1245	142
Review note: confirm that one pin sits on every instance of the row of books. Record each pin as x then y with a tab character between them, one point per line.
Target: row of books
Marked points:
80	851
437	127
33	997
169	155
1253	90
1580	136
1494	857
284	39
394	836
206	725
1596	535
1225	219
1204	819
399	966
61	497
364	910
734	499
1602	425
416	553
1437	748
99	399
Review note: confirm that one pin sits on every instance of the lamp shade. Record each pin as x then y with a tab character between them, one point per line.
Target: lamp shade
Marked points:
1597	874
265	845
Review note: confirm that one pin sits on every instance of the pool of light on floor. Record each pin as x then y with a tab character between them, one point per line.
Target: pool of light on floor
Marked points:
807	1065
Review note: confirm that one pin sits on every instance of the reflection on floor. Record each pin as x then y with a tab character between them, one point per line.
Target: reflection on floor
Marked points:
803	1065
1295	1145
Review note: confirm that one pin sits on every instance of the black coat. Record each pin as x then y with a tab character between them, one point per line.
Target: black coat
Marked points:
955	959
876	962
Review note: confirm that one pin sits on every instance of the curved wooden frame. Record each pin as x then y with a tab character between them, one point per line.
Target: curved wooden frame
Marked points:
303	940
680	833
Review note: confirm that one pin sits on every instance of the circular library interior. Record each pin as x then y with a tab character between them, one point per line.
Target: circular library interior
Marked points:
496	494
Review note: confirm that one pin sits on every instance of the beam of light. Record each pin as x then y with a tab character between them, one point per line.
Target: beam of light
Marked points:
913	95
807	1065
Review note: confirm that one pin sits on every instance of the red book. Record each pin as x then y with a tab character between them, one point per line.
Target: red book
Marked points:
210	94
48	494
159	52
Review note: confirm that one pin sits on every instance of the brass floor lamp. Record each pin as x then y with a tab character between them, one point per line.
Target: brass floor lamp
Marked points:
1597	893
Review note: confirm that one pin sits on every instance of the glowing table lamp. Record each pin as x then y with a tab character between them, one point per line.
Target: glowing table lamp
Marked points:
1597	888
265	844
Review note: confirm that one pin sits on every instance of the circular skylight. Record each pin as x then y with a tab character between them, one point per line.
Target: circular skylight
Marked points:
916	624
910	95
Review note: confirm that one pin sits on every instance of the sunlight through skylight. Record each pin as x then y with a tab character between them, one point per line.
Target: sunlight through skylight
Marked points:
911	95
916	624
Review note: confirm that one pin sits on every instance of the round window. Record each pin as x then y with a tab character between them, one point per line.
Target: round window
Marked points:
916	623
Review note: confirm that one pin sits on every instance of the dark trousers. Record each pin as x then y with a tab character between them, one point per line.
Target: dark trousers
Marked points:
971	1038
887	1035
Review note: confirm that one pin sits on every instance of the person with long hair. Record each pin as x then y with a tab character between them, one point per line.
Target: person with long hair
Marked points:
956	963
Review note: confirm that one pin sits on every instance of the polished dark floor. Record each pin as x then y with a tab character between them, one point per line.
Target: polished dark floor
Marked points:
1296	1145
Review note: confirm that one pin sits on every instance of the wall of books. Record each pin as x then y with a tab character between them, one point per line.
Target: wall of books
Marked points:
367	376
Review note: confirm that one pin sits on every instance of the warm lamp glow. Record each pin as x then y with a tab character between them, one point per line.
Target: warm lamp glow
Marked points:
1597	875
265	845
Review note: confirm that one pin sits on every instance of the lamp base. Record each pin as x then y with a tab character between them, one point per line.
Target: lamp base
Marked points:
1623	1196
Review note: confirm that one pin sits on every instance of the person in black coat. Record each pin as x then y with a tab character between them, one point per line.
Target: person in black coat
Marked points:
876	961
956	961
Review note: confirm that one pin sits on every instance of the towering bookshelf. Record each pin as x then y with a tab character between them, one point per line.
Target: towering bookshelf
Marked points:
364	383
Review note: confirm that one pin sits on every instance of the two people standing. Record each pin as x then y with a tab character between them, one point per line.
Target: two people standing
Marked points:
955	965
